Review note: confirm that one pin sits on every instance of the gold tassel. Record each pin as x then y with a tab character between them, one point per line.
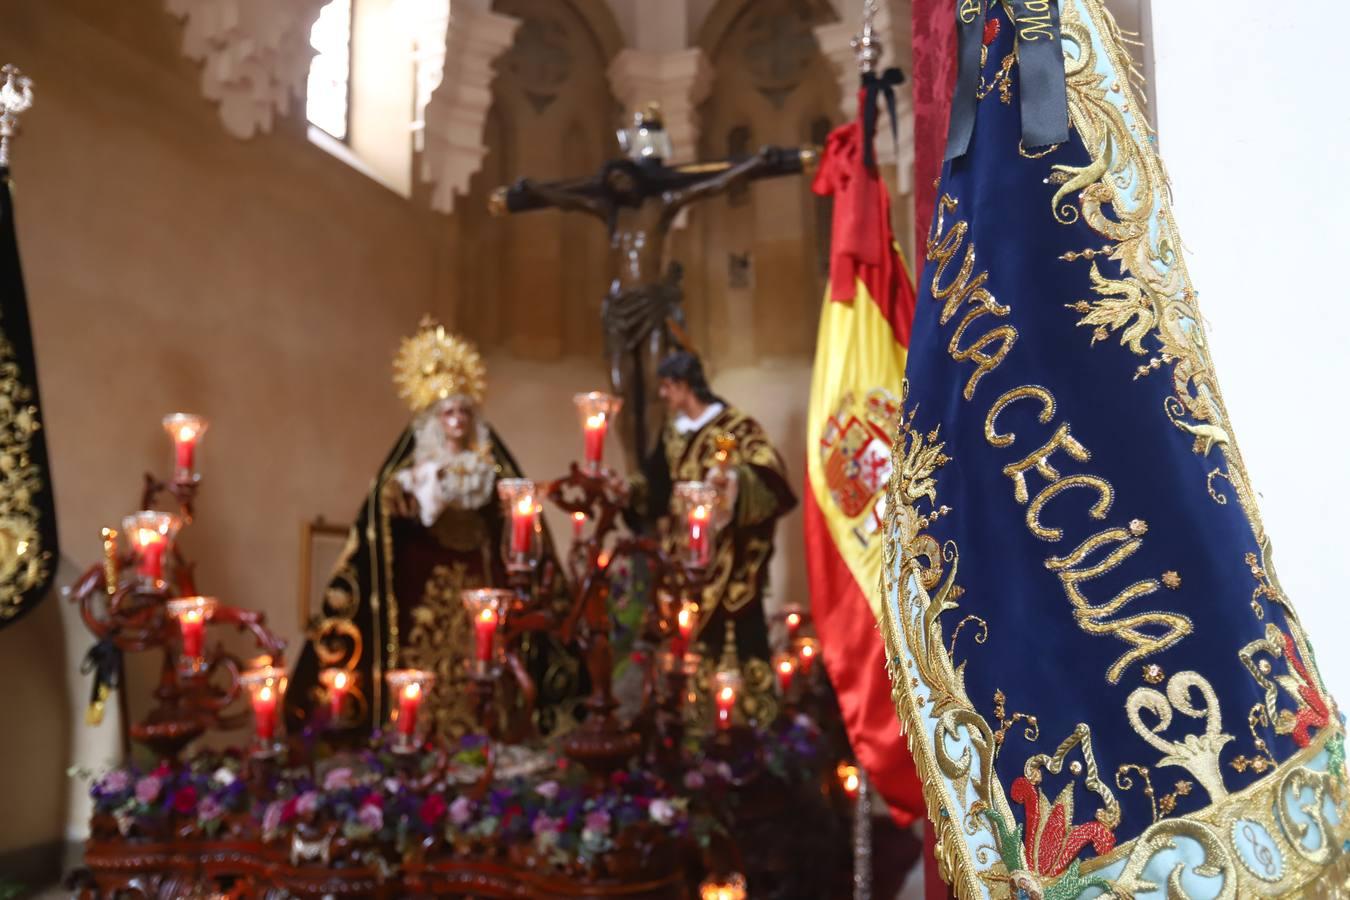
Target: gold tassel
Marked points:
110	572
94	714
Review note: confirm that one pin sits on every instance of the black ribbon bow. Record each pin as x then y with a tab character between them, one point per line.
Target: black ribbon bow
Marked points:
104	662
883	85
1040	73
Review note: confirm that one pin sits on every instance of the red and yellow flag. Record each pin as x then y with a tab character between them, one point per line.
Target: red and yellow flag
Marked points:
855	397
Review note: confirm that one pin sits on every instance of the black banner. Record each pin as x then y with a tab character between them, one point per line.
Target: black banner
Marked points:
1040	66
28	549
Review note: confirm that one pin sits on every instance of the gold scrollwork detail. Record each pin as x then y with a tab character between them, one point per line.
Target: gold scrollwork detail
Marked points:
1198	754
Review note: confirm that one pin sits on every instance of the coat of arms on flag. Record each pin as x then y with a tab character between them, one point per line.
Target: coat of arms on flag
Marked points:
855	449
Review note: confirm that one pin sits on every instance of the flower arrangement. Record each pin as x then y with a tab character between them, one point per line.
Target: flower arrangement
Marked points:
143	802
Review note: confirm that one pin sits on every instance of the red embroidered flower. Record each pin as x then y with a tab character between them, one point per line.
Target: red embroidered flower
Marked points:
185	801
1313	713
432	811
374	798
990	31
1052	840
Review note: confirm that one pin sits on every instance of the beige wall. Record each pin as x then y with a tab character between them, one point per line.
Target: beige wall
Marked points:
263	284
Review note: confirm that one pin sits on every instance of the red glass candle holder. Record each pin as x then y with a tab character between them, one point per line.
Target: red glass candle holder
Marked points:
596	411
408	689
727	685
192	614
696	503
186	430
808	648
523	538
151	534
485	607
785	668
337	685
266	685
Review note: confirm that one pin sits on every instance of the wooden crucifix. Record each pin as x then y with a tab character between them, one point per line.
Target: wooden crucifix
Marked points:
638	197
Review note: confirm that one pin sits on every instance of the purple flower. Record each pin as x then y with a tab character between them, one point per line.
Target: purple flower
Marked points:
662	811
148	788
370	816
338	779
597	821
461	810
307	804
548	790
209	809
114	782
694	780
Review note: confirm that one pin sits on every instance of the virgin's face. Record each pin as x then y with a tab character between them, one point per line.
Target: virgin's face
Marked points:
457	419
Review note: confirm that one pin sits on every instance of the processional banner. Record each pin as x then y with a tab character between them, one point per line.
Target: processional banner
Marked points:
1105	688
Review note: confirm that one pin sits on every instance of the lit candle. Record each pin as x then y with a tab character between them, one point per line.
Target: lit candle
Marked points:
186	430
806	652
793	621
686	620
522	523
152	545
150	533
192	624
849	779
596	425
485	625
699	519
578	525
409	699
265	712
785	667
726	702
337	694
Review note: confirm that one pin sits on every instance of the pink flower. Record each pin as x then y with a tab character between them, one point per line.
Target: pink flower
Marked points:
371	817
209	809
114	782
548	790
694	780
148	788
546	824
185	800
338	779
597	822
461	810
271	822
432	811
307	804
375	799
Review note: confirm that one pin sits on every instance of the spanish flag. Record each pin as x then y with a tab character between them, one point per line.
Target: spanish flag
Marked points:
855	398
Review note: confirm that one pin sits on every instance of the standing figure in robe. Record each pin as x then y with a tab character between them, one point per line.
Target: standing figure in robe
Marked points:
429	528
707	439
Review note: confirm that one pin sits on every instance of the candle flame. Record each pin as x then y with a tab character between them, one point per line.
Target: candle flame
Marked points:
686	615
340	681
785	667
727	694
595	420
700	513
578	517
849	778
265	693
187	433
488	615
147	536
193	616
808	650
603	560
412	691
793	619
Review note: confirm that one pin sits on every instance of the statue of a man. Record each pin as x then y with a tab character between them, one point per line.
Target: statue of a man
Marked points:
638	198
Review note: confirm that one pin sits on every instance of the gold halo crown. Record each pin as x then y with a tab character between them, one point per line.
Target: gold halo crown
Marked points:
434	364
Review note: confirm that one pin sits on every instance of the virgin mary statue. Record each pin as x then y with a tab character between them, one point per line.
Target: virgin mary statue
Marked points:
429	528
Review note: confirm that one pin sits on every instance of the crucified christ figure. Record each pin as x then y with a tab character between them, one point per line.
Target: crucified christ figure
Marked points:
638	198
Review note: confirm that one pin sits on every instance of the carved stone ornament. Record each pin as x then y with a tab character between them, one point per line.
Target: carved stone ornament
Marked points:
255	55
458	88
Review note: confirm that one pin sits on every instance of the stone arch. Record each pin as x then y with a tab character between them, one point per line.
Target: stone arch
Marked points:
552	116
754	280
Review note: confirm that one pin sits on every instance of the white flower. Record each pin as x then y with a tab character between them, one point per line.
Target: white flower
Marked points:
224	777
548	790
661	811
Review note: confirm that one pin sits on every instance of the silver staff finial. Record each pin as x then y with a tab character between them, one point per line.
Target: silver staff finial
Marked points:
16	96
865	44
